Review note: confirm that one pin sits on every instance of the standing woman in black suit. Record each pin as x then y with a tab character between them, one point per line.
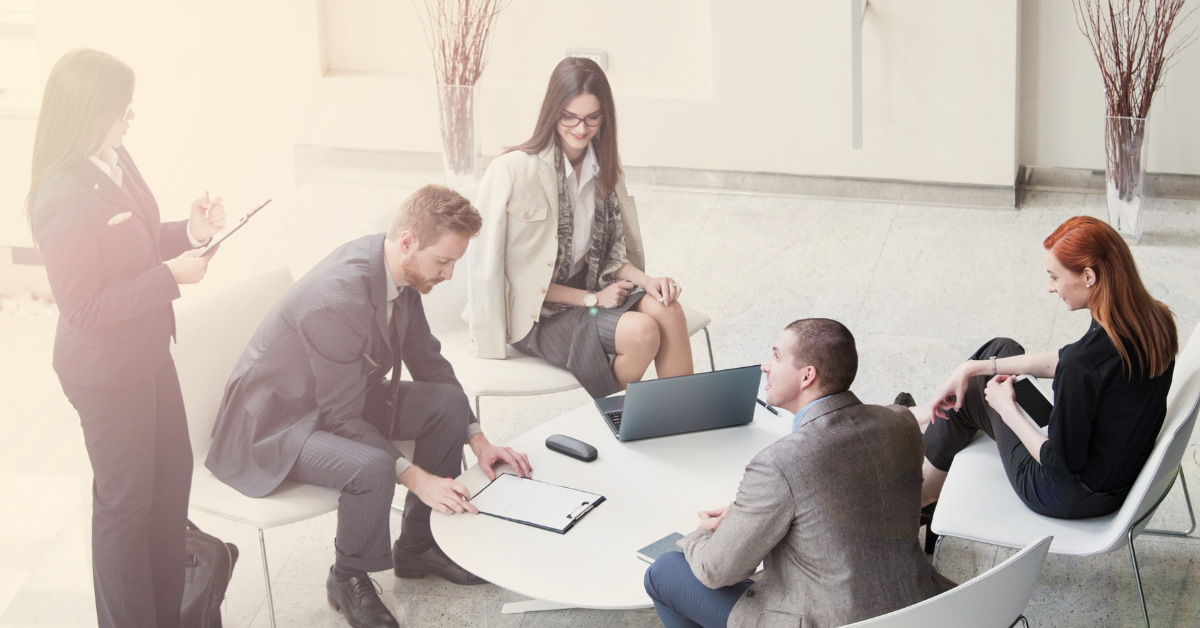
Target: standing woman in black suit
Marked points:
114	270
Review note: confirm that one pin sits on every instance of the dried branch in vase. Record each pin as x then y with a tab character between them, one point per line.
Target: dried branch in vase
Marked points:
459	34
1129	41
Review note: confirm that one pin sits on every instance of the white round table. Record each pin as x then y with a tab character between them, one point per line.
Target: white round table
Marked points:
652	487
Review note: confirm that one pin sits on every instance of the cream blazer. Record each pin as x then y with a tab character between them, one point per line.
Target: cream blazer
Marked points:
511	262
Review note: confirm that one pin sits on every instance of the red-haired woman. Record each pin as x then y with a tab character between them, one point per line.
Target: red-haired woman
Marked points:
558	271
1110	387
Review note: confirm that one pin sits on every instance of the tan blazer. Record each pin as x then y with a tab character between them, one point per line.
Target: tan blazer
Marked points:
511	262
832	511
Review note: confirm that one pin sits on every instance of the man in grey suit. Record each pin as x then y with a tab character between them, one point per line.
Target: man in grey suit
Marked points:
308	401
831	510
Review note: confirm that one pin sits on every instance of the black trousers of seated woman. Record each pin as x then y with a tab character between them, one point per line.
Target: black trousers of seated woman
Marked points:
1047	488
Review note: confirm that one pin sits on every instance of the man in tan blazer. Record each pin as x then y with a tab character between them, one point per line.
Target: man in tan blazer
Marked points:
831	510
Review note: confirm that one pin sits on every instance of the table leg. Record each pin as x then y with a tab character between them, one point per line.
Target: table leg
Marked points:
532	605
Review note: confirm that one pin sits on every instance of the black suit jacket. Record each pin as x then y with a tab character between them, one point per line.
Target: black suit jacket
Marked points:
107	273
307	368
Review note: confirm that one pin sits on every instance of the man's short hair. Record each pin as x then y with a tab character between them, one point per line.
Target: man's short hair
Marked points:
430	211
828	346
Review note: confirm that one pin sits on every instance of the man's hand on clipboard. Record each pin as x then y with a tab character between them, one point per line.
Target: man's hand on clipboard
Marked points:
216	243
441	494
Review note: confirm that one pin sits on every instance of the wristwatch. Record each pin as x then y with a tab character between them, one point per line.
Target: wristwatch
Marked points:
590	300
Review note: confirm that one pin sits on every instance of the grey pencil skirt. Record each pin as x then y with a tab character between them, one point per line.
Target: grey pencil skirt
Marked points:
581	342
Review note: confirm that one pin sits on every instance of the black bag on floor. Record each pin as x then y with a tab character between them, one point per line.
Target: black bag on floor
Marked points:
208	568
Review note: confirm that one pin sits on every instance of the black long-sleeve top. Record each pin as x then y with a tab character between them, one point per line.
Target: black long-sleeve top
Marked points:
1105	419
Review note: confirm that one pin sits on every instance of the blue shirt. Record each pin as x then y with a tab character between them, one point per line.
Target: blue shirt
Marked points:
800	414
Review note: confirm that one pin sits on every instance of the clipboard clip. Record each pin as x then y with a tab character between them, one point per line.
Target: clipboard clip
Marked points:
581	511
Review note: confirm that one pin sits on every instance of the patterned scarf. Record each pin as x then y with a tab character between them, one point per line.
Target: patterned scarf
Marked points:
606	253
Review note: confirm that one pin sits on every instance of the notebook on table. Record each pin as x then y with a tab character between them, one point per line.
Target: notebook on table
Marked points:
667	544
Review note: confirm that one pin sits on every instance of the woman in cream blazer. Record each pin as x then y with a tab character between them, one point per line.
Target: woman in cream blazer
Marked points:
558	270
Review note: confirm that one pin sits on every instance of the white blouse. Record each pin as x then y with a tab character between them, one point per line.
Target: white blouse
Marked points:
583	198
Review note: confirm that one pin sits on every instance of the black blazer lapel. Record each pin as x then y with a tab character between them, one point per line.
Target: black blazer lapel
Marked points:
136	187
103	187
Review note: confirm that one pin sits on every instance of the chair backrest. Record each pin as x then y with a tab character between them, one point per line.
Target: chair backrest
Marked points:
444	305
992	600
212	333
1183	402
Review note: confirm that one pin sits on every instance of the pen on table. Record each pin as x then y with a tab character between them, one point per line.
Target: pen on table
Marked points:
769	408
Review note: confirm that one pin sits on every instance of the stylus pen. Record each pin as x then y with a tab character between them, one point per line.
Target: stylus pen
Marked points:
769	408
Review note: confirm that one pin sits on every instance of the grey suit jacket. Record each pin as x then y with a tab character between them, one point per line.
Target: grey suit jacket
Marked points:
306	369
832	510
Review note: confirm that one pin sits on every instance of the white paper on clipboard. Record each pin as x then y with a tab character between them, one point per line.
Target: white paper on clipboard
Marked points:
535	503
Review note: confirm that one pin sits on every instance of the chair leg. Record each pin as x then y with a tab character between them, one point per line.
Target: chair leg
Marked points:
1137	577
707	338
1191	514
937	549
262	547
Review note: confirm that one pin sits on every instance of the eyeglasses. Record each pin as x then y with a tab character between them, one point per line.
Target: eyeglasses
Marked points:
128	112
571	121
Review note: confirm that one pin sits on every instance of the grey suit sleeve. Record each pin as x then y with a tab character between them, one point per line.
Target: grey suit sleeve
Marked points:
334	342
758	520
423	355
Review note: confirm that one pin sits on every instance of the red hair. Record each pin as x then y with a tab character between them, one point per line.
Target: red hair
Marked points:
1119	301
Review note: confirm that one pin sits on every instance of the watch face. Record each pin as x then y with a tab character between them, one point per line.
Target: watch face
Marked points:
590	300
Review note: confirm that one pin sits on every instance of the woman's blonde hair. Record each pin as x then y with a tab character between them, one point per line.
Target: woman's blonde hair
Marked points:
87	92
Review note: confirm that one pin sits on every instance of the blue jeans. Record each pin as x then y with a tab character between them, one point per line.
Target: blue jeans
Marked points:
682	601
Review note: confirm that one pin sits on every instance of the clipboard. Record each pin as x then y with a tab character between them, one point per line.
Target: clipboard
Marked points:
212	246
534	503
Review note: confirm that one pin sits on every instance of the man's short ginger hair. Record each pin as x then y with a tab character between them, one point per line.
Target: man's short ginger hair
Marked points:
829	347
433	210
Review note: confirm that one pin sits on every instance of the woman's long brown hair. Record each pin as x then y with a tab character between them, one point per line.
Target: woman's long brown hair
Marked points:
570	79
87	92
1118	301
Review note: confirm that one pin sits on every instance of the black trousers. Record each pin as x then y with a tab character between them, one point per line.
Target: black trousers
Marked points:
435	416
1047	488
137	440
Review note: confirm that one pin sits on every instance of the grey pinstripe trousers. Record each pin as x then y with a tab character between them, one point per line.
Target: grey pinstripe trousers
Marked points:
435	416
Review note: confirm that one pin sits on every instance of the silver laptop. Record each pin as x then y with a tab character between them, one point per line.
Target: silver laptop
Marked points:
689	403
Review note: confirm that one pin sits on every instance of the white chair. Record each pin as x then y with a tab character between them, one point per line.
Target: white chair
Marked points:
978	503
519	375
211	335
995	599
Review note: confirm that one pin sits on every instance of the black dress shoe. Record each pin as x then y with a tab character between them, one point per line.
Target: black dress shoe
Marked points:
431	561
905	399
358	599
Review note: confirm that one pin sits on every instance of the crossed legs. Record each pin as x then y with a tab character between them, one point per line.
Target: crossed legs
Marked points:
652	332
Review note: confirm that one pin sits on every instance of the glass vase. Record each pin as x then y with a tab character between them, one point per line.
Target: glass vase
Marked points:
460	139
1125	177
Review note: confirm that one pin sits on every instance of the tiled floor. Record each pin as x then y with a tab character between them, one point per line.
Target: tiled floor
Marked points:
920	287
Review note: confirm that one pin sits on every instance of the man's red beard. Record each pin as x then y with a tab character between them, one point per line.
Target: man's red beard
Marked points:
412	274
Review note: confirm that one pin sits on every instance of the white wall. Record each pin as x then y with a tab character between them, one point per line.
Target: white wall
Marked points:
716	84
220	89
1062	97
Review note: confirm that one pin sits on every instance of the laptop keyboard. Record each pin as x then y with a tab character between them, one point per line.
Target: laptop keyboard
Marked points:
615	418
